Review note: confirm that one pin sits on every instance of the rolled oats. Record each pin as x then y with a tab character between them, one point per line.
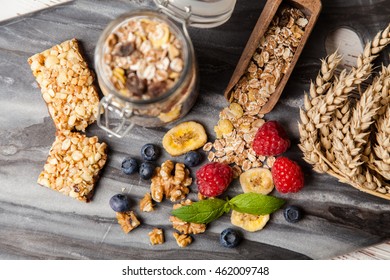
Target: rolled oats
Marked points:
73	165
270	61
67	85
156	236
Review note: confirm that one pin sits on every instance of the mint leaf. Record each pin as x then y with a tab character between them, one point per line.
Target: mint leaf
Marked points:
255	203
202	212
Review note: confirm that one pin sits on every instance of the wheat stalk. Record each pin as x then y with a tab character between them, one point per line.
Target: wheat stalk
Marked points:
335	139
308	133
382	148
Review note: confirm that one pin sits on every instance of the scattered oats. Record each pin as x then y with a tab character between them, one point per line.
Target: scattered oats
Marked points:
270	161
207	147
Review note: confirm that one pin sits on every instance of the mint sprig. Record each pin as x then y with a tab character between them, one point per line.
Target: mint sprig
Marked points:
206	211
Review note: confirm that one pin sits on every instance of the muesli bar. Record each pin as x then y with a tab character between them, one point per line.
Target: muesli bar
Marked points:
73	165
67	85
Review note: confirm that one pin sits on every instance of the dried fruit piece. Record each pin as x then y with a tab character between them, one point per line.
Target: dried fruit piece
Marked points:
224	127
185	137
257	180
249	222
172	115
287	175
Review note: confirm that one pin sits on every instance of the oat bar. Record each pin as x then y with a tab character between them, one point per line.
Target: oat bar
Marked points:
67	85
73	165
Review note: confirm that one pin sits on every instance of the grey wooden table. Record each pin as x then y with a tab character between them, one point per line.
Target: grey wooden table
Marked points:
37	223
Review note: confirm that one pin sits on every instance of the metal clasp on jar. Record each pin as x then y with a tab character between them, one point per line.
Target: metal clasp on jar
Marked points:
120	124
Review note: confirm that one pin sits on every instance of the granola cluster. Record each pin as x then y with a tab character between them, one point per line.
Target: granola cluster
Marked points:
238	123
170	180
144	58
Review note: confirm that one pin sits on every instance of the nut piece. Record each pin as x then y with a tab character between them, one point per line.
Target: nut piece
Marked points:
146	203
67	85
156	236
185	227
127	220
171	180
183	240
73	165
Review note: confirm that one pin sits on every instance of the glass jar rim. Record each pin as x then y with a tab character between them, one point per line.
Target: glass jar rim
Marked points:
142	13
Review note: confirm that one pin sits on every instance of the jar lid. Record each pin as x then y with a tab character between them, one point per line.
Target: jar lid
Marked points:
198	13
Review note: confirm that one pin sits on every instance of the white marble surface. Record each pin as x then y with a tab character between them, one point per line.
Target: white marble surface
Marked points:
38	223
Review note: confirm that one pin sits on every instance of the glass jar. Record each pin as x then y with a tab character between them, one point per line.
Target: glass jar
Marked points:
120	108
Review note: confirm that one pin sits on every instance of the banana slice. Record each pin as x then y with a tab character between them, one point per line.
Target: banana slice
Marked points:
185	137
172	115
257	180
249	222
160	36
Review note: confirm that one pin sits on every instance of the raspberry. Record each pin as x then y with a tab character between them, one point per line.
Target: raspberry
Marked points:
213	178
270	140
287	175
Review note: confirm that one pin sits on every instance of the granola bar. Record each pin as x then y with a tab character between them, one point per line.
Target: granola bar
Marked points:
73	165
67	85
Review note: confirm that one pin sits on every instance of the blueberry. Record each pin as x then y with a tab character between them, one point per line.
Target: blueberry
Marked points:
192	158
146	170
292	214
150	152
119	203
230	238
129	166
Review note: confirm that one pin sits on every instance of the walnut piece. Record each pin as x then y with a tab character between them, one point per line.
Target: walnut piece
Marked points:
185	227
127	220
146	203
183	240
156	236
171	180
